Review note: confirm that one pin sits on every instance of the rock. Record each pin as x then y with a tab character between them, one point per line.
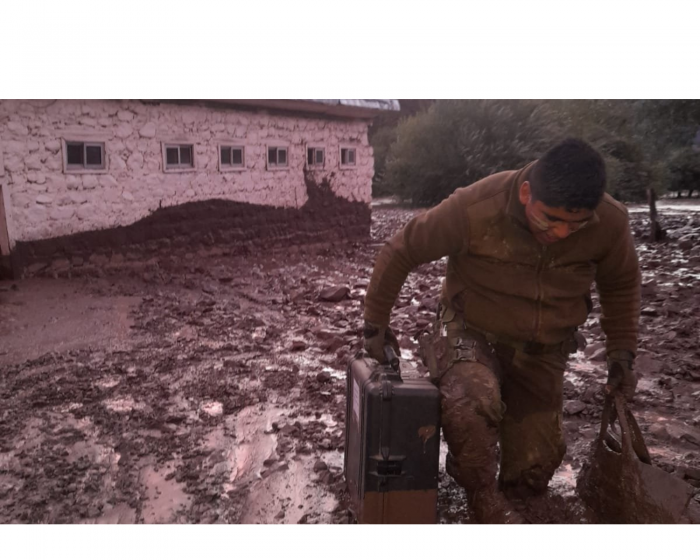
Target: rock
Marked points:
334	344
593	348
60	265
686	244
334	294
123	130
650	312
36	267
320	466
691	472
323	377
677	430
17	128
298	345
98	260
135	161
53	146
649	289
645	365
574	407
659	430
599	355
148	130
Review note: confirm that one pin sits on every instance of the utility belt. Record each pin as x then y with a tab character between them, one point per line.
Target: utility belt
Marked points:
453	340
568	346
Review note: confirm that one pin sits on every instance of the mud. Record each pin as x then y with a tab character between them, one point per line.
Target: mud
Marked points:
234	228
209	387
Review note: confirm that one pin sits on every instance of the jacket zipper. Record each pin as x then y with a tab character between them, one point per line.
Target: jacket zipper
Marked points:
538	294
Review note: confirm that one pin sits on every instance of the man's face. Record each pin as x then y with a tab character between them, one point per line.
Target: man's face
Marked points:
547	224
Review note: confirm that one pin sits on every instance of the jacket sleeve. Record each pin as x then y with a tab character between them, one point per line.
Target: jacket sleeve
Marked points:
439	232
618	279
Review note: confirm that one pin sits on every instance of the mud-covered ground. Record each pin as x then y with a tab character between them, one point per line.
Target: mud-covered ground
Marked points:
203	388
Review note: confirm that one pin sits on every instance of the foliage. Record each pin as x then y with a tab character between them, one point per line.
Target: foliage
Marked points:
453	143
457	142
382	135
683	169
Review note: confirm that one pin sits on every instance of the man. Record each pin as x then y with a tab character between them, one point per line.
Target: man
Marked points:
524	248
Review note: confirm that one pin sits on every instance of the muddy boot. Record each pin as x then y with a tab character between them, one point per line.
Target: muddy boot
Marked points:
487	504
491	506
471	412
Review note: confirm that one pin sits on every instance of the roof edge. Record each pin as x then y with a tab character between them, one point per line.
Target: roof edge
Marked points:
352	108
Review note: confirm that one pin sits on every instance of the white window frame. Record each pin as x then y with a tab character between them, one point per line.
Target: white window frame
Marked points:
225	168
82	169
274	166
178	168
340	157
315	165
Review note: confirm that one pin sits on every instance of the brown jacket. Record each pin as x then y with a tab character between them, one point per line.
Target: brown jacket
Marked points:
505	281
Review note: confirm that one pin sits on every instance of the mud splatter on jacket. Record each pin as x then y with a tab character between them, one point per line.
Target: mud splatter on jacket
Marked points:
503	279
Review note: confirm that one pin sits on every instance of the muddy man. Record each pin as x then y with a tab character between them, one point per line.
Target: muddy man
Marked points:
523	248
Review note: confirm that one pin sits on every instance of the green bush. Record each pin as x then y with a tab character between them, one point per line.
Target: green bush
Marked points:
629	173
457	142
683	171
382	135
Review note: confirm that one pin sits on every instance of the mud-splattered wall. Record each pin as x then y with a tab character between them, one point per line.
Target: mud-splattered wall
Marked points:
46	203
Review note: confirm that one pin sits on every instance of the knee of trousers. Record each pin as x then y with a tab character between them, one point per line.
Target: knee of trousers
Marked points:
470	395
532	450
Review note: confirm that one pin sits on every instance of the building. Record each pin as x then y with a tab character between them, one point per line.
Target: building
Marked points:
86	183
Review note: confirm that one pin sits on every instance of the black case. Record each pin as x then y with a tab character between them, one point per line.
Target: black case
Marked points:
392	444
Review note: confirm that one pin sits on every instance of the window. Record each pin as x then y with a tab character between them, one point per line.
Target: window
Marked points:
178	156
276	157
348	157
231	157
315	157
84	155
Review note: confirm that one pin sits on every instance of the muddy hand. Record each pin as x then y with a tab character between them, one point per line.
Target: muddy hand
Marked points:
376	338
621	375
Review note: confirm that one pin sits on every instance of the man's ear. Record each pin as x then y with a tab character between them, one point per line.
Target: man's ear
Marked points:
525	193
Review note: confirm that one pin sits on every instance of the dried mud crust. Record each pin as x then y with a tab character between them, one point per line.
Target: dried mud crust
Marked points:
224	400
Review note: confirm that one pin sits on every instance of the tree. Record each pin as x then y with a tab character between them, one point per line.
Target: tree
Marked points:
457	142
683	170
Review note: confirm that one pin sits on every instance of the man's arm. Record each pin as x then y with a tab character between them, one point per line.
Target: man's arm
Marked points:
439	232
618	279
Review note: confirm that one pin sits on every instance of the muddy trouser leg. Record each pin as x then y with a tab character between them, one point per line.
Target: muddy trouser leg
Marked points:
532	442
471	406
471	412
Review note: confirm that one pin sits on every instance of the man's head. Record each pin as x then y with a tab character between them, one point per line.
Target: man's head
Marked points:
564	188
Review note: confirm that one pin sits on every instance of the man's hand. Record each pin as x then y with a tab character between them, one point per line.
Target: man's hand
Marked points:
621	374
376	337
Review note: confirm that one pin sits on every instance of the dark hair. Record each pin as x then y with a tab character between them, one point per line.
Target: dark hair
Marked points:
571	175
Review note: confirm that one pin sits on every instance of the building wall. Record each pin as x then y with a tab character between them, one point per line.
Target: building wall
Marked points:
45	202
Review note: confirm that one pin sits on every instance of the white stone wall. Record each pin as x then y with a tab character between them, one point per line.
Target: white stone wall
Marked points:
46	202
